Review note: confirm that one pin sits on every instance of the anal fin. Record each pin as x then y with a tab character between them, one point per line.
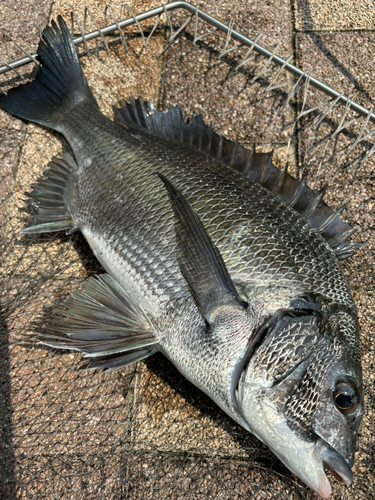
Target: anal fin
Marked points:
114	362
103	323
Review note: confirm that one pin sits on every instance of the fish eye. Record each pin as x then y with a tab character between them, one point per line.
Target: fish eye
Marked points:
345	396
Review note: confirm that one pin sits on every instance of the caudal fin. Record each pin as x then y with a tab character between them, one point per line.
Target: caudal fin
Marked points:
59	85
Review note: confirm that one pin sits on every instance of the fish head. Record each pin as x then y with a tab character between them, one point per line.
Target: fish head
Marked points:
301	394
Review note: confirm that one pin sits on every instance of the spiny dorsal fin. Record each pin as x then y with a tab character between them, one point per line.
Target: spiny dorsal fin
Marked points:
256	166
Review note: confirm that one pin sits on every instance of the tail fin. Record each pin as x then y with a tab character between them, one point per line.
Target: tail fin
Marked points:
60	83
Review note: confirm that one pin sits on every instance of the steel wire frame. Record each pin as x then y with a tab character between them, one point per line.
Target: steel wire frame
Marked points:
197	13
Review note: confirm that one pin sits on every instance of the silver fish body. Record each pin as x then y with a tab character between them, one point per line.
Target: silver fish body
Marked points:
272	255
280	353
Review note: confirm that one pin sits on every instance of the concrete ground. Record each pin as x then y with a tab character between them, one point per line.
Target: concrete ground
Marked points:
146	432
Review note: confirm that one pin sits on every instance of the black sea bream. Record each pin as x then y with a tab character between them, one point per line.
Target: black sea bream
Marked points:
214	257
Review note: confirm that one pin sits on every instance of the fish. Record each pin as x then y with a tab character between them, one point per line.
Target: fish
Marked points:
214	257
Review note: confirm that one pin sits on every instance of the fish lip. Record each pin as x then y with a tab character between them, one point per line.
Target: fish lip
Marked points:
333	462
319	457
336	464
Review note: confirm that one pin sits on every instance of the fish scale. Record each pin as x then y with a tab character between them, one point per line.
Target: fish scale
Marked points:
135	215
274	264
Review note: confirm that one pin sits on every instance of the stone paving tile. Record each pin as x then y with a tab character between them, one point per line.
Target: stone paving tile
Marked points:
116	12
342	60
173	416
364	465
59	415
112	76
349	180
337	15
19	20
270	18
177	478
175	422
236	106
11	139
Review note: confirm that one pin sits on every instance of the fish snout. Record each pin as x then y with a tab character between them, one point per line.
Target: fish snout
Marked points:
334	463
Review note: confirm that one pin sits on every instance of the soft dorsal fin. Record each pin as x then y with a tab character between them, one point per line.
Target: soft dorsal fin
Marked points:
47	198
256	166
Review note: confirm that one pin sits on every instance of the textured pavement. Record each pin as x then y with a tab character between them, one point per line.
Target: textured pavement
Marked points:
146	432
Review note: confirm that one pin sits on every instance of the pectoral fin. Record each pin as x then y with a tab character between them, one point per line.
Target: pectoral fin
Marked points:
104	323
200	261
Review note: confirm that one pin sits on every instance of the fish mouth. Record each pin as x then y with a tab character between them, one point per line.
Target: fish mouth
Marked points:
335	463
311	462
338	467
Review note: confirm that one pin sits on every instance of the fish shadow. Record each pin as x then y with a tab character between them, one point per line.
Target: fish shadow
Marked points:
8	484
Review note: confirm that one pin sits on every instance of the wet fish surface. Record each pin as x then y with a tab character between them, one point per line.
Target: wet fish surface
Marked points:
214	257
